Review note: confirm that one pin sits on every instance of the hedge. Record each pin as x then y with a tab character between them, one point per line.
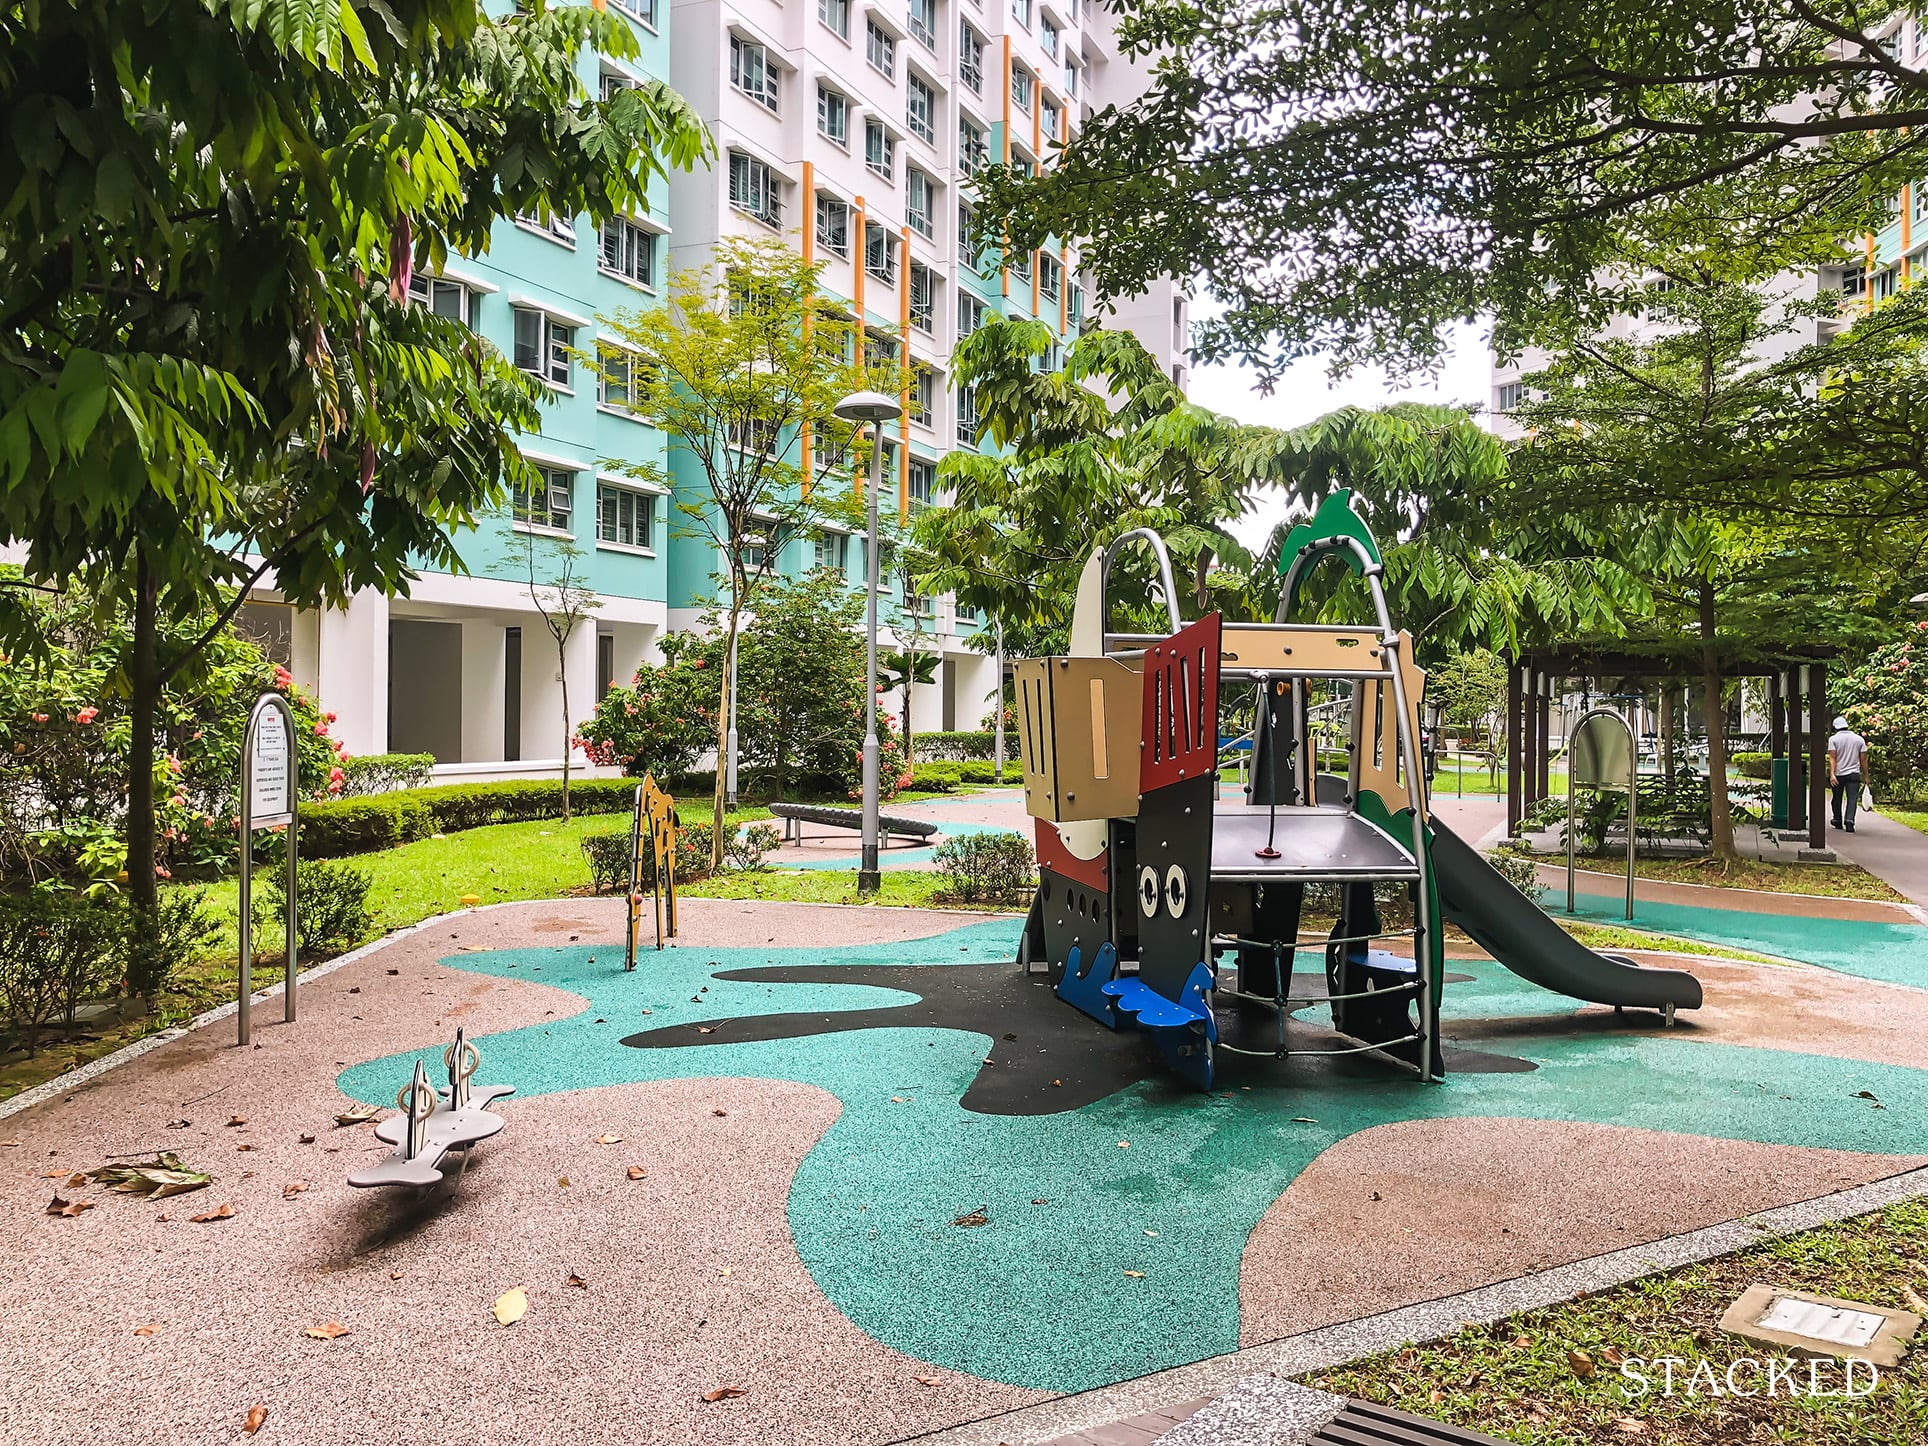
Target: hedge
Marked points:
382	820
1753	765
947	777
958	747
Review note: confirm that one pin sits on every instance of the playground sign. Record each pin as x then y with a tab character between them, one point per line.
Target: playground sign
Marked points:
268	794
1601	756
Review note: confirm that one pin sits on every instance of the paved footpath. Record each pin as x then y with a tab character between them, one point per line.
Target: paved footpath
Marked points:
1892	852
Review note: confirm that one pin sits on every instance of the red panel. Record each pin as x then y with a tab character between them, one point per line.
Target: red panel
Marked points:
1180	734
1094	874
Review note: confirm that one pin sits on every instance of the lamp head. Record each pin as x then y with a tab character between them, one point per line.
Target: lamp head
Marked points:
867	407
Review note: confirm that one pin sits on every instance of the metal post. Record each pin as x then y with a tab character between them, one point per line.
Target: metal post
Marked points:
729	772
243	1008
1818	756
869	877
997	728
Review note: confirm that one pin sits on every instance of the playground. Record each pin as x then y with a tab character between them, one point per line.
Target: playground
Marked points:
817	1174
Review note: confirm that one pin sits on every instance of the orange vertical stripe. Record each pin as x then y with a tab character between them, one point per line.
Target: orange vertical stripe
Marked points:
809	259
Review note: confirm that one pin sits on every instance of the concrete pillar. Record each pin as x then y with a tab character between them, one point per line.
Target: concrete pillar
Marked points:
484	688
351	670
1515	803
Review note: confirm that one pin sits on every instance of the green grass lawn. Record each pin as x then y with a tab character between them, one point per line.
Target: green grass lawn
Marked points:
1914	818
1555	1377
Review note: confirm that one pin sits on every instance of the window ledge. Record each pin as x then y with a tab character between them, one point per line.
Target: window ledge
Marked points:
624	547
537	529
545	234
631	283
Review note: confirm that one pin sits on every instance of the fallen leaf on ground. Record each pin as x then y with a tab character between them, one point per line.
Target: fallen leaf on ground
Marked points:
244	1148
1611	1355
220	1212
1915	1302
609	1139
1304	1120
1152	1233
306	1140
394	1275
74	1182
327	1331
724	1273
9	1144
1040	1201
1631	1426
511	1306
562	1181
719	1113
1135	1274
706	1029
1522	1342
288	1192
256	1415
578	1282
152	1328
236	1121
976	1217
930	1380
725	1393
359	1115
1124	1144
69	1208
1581	1363
636	1172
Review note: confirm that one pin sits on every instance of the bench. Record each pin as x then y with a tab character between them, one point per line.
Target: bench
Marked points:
795	815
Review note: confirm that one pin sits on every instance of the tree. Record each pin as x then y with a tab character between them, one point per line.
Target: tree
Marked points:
562	599
1470	688
1350	178
1088	453
739	367
1658	451
903	669
210	221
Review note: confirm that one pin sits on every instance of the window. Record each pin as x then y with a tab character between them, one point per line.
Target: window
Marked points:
1074	303
754	434
923	397
1048	35
1070	76
1021	84
881	347
628	251
972	148
625	516
556	228
966	418
880	48
964	612
970	57
1049	273
542	345
921	110
1918	192
880	150
967	242
619	380
545	501
923	22
920	479
920	203
880	258
756	553
923	298
1049	118
832	552
833	115
970	314
1882	284
833	225
444	298
753	189
1020	264
835	14
643	10
752	73
1511	396
1021	12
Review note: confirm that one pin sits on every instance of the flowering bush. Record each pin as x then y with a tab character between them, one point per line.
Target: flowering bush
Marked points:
65	735
1886	699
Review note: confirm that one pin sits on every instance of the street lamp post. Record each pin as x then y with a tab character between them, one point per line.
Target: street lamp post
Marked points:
873	408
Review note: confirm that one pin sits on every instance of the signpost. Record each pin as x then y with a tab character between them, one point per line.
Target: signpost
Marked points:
1601	756
268	800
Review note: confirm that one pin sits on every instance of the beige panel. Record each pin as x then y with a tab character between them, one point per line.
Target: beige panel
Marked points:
1066	708
1307	649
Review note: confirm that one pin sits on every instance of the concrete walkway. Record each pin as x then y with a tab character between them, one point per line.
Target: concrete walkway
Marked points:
1892	852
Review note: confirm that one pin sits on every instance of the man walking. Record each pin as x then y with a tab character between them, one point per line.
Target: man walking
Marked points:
1846	750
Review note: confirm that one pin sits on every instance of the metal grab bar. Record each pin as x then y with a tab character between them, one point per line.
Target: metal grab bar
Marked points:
1165	577
1318	1053
1233	941
1279	1001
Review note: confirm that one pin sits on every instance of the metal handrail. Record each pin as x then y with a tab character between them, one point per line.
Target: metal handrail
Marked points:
1166	579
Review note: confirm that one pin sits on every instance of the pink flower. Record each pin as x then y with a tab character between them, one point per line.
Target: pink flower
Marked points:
180	800
87	715
321	730
328	717
161	871
334	785
282	677
173	763
40	717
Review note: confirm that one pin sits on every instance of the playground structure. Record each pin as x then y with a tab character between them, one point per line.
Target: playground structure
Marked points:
1157	905
433	1123
653	821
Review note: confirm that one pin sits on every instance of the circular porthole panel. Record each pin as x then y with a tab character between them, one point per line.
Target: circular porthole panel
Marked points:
1148	891
1176	892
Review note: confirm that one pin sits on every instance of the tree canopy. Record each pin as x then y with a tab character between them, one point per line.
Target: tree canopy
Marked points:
1351	177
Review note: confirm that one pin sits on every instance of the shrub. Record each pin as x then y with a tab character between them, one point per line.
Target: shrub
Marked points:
949	777
1886	699
751	845
1753	765
1517	869
58	949
386	772
987	868
331	905
356	825
607	855
960	747
160	944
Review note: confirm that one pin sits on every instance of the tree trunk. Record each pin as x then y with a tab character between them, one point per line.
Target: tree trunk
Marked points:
1721	832
910	681
143	687
568	743
723	737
